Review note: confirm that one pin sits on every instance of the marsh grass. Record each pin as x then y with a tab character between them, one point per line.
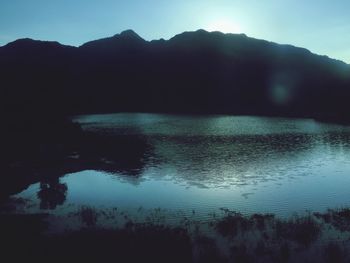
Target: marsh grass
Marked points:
338	218
234	238
335	253
11	204
303	230
205	250
232	225
88	216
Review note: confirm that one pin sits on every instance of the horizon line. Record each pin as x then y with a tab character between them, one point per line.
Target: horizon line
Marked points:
168	39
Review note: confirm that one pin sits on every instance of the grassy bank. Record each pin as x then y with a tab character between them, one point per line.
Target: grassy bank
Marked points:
232	238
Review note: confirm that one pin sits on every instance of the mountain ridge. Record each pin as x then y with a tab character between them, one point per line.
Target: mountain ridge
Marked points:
130	32
193	72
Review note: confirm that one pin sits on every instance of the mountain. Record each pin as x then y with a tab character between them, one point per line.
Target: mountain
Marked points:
193	72
125	40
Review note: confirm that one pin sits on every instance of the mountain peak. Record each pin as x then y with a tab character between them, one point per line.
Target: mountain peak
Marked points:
130	34
201	31
28	42
126	38
21	41
202	35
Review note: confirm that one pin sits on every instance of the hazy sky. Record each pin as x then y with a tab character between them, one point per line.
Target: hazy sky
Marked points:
323	26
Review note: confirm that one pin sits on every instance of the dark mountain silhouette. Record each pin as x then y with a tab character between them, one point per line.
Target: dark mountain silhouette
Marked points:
193	72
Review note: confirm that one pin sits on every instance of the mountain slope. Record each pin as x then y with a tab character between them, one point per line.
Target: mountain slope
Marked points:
193	72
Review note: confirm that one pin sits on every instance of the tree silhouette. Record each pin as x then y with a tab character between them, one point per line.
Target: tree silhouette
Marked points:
52	193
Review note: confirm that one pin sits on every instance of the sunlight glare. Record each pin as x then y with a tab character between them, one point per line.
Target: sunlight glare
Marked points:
224	26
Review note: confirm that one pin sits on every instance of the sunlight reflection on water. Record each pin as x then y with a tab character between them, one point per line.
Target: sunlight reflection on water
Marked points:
203	163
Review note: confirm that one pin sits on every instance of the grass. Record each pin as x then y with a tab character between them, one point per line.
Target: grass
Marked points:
239	238
88	215
233	224
240	254
205	250
334	253
303	230
338	218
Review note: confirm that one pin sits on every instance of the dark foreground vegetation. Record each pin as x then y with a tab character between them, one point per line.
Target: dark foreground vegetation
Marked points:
233	238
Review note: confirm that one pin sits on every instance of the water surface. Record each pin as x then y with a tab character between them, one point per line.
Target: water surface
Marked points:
204	163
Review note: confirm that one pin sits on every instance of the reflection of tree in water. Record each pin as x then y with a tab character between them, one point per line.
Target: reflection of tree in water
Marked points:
52	193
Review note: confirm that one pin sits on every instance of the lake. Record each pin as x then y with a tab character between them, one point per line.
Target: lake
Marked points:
199	164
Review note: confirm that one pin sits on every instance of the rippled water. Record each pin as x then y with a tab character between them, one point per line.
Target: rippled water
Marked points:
203	163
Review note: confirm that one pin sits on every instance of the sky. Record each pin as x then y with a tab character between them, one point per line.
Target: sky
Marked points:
322	26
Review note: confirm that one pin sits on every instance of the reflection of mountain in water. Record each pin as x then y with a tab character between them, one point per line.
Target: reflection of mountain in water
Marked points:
203	151
223	161
115	154
123	155
216	151
213	161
